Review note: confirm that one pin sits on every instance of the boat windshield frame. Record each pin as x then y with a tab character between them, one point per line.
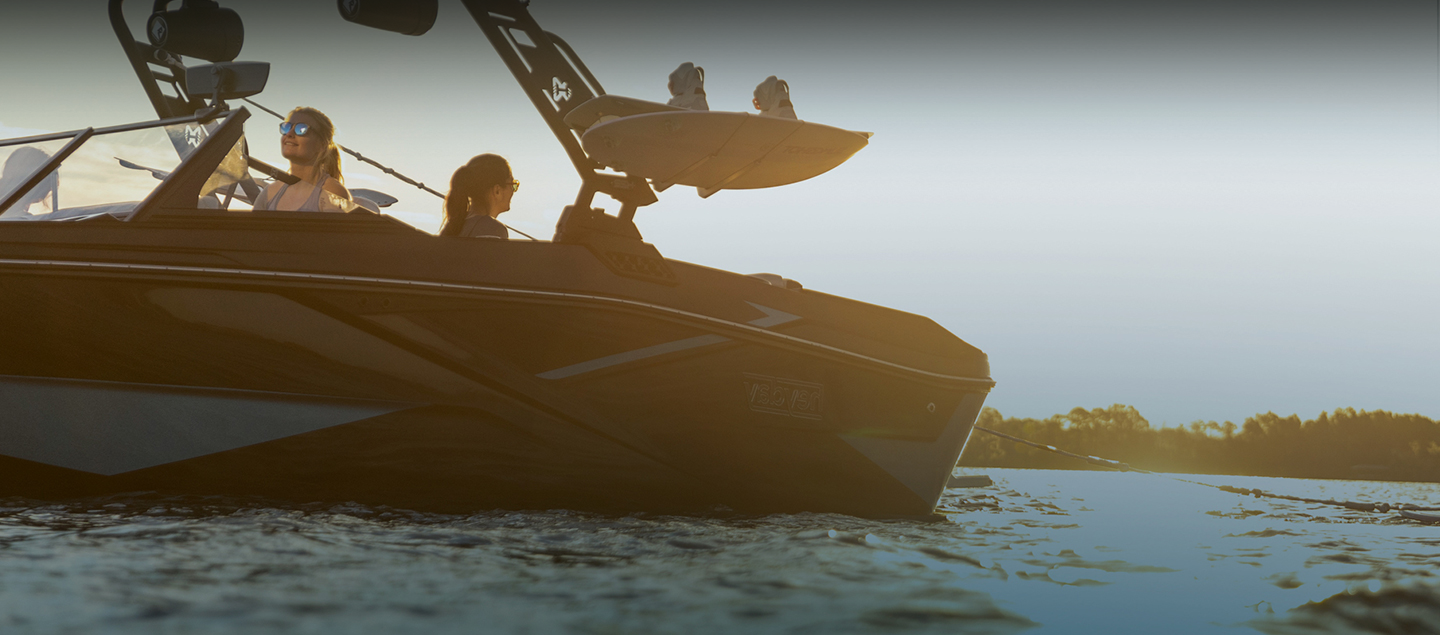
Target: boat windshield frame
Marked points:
181	188
185	180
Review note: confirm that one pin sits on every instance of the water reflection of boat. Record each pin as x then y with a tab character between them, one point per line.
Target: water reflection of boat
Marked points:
175	343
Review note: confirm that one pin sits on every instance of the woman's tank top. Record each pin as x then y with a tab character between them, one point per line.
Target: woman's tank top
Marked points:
311	204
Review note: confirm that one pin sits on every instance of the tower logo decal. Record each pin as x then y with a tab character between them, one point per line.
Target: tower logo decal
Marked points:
194	135
559	91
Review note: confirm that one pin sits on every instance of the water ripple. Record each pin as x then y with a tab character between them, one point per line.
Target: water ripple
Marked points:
1040	551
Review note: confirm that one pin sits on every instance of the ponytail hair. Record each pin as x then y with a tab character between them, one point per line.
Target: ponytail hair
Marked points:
329	158
468	187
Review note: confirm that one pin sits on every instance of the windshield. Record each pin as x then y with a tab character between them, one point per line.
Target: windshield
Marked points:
116	169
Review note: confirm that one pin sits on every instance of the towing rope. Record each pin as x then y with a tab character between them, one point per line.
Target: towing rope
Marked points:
1257	493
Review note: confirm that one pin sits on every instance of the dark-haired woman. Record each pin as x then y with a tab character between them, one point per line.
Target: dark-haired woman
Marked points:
480	190
307	140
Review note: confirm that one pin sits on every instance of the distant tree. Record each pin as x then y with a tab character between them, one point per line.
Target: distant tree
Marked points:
1343	444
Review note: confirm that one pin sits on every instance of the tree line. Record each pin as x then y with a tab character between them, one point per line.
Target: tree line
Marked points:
1345	444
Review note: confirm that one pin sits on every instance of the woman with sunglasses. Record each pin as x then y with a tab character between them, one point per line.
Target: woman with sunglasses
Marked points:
480	190
307	140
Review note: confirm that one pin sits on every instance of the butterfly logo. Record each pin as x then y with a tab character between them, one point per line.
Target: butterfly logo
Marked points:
194	135
559	90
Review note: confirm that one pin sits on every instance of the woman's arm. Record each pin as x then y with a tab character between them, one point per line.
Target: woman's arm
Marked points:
334	187
335	198
266	200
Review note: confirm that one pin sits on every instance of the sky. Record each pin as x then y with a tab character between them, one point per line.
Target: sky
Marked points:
1203	209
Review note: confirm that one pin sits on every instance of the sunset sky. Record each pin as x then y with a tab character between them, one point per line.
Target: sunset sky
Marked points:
1202	209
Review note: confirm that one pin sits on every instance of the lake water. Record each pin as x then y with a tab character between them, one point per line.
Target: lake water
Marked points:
1039	552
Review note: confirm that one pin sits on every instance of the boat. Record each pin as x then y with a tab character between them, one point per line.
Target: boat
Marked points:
159	337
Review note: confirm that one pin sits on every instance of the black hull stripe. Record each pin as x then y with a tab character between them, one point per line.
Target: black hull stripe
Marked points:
981	383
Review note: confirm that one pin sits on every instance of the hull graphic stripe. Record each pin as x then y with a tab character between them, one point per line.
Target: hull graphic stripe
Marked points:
772	317
633	356
977	382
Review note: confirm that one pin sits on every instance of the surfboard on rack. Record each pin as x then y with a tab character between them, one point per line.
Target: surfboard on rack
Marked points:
608	107
714	150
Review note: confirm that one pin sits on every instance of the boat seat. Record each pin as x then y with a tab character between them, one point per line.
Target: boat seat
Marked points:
778	281
367	204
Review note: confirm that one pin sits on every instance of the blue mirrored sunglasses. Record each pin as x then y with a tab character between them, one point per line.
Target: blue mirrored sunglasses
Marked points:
301	129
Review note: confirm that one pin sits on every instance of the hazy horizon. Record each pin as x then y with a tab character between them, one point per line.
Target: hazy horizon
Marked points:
1206	210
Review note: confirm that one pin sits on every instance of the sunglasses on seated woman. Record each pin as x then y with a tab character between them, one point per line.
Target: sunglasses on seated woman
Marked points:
301	129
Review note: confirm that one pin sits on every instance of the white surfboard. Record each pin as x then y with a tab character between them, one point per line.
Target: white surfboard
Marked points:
713	150
380	199
608	107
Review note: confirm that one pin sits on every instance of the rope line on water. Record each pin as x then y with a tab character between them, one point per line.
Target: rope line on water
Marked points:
1257	493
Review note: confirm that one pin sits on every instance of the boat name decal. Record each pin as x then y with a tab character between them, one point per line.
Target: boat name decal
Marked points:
776	395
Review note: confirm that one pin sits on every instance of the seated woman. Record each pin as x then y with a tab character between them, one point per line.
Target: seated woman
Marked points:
41	199
307	139
480	190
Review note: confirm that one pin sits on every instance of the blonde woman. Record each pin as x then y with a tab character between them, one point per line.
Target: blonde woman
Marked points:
307	140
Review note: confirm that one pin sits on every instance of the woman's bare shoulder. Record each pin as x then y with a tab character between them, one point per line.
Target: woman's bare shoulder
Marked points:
334	187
